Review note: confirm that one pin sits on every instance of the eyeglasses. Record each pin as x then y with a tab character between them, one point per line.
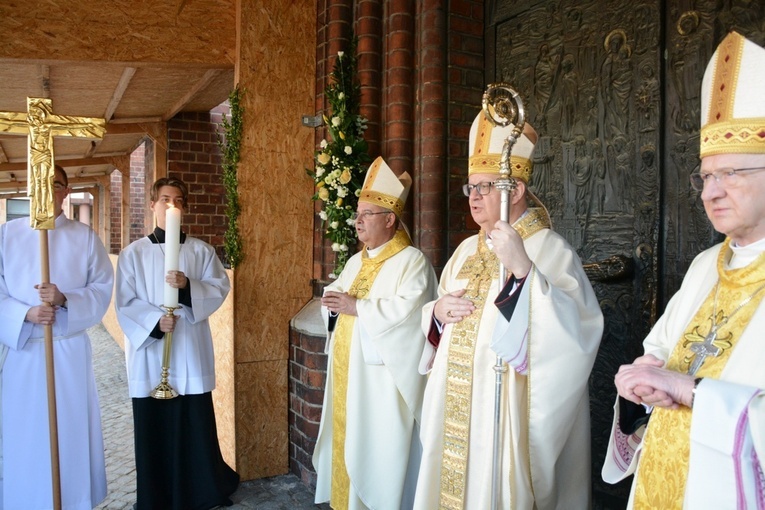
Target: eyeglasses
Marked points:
366	214
728	177
58	186
484	188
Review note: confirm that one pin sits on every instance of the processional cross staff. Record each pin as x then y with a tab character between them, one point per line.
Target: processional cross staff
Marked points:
41	125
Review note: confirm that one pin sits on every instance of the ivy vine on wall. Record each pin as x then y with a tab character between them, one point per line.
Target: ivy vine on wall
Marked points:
230	146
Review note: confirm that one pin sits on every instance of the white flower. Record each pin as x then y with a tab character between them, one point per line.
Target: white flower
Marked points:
348	149
335	246
350	221
319	171
342	191
358	193
340	54
343	247
341	95
332	276
323	215
333	225
335	121
323	144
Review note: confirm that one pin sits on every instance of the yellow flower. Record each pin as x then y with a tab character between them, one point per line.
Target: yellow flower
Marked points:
345	177
323	193
339	202
323	158
320	184
341	135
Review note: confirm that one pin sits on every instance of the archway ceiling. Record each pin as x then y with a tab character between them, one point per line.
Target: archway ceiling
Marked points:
138	65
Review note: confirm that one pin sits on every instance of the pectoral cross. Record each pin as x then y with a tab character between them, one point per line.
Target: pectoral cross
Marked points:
41	125
704	346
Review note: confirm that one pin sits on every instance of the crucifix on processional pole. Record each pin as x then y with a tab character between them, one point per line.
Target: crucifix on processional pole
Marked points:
41	125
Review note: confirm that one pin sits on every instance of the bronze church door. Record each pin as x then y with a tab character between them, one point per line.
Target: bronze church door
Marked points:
613	90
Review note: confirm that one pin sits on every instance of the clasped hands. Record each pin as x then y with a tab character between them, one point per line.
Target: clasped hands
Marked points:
339	302
646	381
51	299
507	244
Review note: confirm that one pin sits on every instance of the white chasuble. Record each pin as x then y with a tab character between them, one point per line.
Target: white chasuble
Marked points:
80	267
384	387
727	429
545	456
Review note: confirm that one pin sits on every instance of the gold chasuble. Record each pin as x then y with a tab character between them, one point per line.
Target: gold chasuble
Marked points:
711	335
481	270
341	353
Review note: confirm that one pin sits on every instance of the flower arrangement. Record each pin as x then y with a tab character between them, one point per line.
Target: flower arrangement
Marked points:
341	161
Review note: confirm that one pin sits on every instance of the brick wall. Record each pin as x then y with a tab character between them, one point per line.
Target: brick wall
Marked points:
138	197
115	218
194	157
308	376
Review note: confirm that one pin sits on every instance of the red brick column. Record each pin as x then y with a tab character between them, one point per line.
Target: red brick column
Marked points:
465	64
398	94
429	193
369	27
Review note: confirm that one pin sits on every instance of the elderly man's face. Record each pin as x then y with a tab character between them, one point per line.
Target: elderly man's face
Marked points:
374	224
736	207
486	209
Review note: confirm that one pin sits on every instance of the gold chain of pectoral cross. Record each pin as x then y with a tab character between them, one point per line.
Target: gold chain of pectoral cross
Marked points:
702	346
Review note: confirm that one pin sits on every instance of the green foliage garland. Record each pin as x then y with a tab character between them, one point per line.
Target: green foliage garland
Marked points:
230	147
343	159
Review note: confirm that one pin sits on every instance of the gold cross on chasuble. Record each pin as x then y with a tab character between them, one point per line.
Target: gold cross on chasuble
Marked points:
41	125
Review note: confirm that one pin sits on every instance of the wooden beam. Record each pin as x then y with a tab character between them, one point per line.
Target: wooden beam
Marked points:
123	128
119	91
136	120
3	157
66	163
209	76
45	80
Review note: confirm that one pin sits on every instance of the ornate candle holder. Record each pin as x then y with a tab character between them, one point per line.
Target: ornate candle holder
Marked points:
164	390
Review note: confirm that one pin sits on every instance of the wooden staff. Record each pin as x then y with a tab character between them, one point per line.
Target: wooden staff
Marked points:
51	379
40	125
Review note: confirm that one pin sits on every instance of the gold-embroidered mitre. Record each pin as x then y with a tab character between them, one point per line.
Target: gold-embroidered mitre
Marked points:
732	104
486	143
382	187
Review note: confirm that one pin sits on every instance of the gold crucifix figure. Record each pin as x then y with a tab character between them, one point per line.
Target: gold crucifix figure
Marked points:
41	125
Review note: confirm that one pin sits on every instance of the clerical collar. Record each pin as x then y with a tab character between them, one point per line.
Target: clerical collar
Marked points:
158	236
373	252
745	255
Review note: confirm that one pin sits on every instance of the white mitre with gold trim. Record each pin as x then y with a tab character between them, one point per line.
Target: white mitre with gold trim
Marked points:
732	101
382	187
485	148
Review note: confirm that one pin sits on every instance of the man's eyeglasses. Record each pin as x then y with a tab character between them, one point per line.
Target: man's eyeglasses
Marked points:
484	188
58	186
727	177
366	214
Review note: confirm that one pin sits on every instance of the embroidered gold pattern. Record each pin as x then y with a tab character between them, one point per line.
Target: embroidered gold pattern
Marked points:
341	354
663	470
481	270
